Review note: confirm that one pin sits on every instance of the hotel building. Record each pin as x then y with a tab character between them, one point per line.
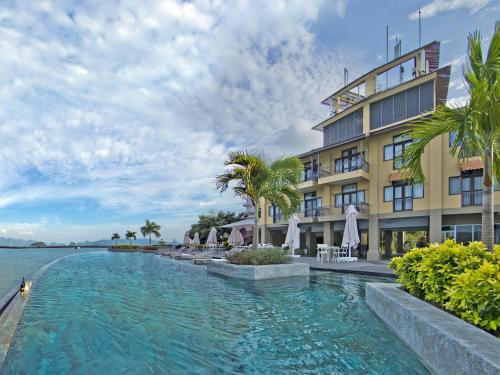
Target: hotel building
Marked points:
368	128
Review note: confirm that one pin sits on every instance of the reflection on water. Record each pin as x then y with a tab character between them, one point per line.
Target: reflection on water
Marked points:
112	313
16	263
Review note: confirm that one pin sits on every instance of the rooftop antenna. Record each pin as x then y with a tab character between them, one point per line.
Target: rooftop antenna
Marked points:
346	76
419	29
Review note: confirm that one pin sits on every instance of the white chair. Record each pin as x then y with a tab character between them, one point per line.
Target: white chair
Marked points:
341	254
322	252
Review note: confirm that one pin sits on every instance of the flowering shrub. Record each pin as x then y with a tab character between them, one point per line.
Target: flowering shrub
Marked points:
465	280
259	257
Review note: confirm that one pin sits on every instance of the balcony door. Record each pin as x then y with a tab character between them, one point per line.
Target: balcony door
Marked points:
472	188
311	204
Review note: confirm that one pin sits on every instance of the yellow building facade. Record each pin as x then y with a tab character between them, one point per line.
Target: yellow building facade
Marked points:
357	164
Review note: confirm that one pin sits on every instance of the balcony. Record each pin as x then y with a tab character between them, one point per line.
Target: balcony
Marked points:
313	214
308	180
355	172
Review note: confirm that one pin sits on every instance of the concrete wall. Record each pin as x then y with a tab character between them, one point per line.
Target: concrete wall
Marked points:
446	344
273	271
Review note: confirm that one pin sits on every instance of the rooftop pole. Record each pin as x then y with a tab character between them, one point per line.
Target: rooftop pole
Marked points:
386	53
419	29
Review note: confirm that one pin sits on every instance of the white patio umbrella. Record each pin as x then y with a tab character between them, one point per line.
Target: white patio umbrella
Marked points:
292	239
351	235
236	238
212	237
187	239
196	239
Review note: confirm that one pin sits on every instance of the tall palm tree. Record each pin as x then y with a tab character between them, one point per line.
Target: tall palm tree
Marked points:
150	228
115	237
130	235
476	124
255	178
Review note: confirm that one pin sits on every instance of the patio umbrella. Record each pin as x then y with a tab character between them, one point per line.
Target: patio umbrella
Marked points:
351	235
292	239
187	239
196	239
236	238
212	237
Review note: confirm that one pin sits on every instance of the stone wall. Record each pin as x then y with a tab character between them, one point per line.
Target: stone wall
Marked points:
444	343
273	271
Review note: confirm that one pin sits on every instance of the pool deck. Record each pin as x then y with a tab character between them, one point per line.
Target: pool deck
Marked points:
376	268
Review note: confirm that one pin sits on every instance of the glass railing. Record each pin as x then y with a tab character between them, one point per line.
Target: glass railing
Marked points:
332	210
309	175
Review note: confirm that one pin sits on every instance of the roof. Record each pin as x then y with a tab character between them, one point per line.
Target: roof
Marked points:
248	222
432	47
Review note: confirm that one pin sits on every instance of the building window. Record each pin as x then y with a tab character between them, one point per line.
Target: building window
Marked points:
418	190
472	188
270	211
350	195
350	161
388	193
463	233
401	142
454	185
388	152
311	204
396	149
259	213
403	197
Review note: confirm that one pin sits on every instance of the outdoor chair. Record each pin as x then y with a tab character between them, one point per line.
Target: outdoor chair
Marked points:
322	252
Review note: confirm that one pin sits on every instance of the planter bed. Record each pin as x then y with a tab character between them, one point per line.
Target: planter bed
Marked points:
272	271
445	343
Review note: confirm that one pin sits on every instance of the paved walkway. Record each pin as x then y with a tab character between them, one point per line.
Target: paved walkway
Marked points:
378	268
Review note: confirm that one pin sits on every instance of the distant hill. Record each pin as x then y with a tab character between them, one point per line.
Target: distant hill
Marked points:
17	242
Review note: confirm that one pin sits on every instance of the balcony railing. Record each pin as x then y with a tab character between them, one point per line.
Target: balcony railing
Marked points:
332	210
472	198
309	175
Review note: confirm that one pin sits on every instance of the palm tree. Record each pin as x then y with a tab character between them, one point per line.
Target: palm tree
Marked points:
476	125
150	228
255	178
115	237
130	235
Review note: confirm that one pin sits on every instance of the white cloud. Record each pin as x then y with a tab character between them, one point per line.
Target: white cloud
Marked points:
439	6
136	105
457	102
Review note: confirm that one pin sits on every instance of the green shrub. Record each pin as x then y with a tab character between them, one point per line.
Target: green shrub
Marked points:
259	257
124	247
461	279
154	247
475	297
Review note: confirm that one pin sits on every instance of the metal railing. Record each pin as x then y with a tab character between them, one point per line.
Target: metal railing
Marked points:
332	210
309	175
472	198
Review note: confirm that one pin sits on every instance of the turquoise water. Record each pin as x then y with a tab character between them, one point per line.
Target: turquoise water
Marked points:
117	313
16	263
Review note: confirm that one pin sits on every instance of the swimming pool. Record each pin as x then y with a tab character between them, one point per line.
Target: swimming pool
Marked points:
16	263
111	313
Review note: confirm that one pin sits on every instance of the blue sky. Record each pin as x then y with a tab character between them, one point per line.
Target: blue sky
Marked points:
117	111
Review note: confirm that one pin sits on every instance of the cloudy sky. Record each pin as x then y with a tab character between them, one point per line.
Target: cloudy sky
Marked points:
116	111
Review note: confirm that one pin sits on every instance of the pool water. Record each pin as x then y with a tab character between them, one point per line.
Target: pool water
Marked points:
117	313
16	263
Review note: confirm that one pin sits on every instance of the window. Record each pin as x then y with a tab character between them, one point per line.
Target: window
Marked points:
403	197
350	195
401	142
338	200
418	190
472	188
351	160
454	185
463	233
388	152
270	211
260	213
388	193
452	139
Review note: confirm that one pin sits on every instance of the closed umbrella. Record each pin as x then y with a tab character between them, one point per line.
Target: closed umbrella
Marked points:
292	239
351	235
236	238
212	237
187	239
196	239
